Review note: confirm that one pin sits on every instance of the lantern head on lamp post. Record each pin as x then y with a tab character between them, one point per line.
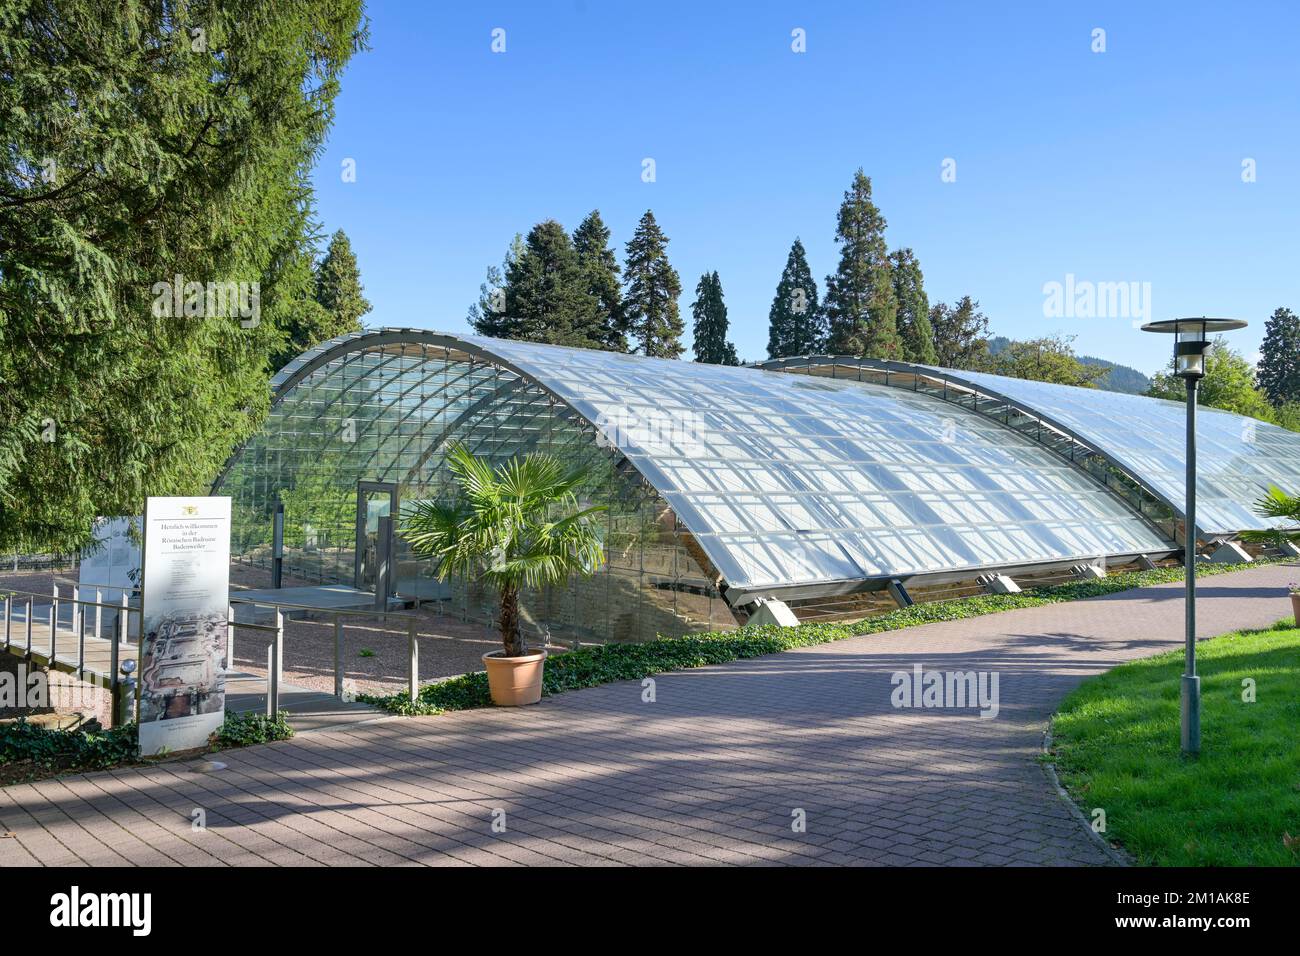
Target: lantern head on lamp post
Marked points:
1191	343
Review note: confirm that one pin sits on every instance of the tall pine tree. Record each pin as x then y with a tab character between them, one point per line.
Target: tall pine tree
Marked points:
796	324
546	295
149	148
488	316
338	297
710	331
861	309
652	290
914	331
600	269
1279	364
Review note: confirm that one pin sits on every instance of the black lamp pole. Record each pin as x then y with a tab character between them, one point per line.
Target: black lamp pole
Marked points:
1191	342
1191	696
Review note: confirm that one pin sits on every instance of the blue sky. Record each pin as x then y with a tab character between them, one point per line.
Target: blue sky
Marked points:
1121	166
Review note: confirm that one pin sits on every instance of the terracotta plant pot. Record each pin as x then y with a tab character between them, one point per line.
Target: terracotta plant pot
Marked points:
515	680
1295	607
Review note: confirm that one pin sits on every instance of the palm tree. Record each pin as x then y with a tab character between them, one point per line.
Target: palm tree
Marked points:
1277	504
518	524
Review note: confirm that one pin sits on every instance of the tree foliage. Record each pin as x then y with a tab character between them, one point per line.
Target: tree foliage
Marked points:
1047	359
915	335
547	298
1279	362
1229	383
599	267
961	334
149	146
861	309
514	525
796	324
557	289
487	316
337	305
652	290
1284	509
710	331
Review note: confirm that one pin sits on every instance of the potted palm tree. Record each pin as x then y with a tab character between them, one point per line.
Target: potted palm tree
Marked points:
518	524
1278	504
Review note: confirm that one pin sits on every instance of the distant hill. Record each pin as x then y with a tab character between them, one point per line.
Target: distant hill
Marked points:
1120	378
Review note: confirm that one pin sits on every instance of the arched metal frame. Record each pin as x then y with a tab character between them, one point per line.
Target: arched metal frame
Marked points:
355	347
1150	505
448	352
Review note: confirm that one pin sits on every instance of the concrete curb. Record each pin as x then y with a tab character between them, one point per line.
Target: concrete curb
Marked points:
1117	857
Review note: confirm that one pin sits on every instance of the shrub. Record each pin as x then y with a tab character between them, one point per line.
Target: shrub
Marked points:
241	730
89	747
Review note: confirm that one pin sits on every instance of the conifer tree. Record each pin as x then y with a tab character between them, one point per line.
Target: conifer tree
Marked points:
652	289
710	331
796	323
155	241
1279	364
338	286
546	294
337	303
600	268
487	316
861	310
914	331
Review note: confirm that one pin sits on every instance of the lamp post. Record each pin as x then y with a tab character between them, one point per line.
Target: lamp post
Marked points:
1191	342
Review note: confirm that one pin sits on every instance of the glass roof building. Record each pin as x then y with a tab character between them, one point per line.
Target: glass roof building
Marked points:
723	484
1144	438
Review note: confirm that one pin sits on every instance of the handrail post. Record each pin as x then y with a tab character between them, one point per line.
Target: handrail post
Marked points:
230	637
9	599
54	621
338	654
99	610
30	611
114	678
274	663
76	606
414	676
79	616
125	616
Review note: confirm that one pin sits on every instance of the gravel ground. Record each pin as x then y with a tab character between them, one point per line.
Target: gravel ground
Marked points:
447	646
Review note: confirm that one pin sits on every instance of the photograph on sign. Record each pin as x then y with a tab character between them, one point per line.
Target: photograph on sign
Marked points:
184	600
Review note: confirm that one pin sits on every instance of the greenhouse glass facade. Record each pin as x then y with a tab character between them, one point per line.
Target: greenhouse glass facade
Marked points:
722	485
1144	438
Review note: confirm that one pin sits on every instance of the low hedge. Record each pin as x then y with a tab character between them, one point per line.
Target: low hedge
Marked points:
605	663
43	751
89	747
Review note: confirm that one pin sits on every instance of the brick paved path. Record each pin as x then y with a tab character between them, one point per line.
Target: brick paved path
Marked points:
710	773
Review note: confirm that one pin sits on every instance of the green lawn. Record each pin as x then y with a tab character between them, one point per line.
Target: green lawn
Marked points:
1117	748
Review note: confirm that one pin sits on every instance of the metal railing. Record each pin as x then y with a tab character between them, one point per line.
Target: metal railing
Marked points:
48	656
275	641
21	607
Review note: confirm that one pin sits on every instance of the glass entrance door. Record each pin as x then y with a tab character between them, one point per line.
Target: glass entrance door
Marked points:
375	500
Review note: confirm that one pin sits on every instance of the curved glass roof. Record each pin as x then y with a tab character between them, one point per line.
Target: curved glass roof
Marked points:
1237	457
788	480
785	482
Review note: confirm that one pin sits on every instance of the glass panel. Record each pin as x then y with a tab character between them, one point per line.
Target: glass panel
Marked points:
835	462
1237	457
755	478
